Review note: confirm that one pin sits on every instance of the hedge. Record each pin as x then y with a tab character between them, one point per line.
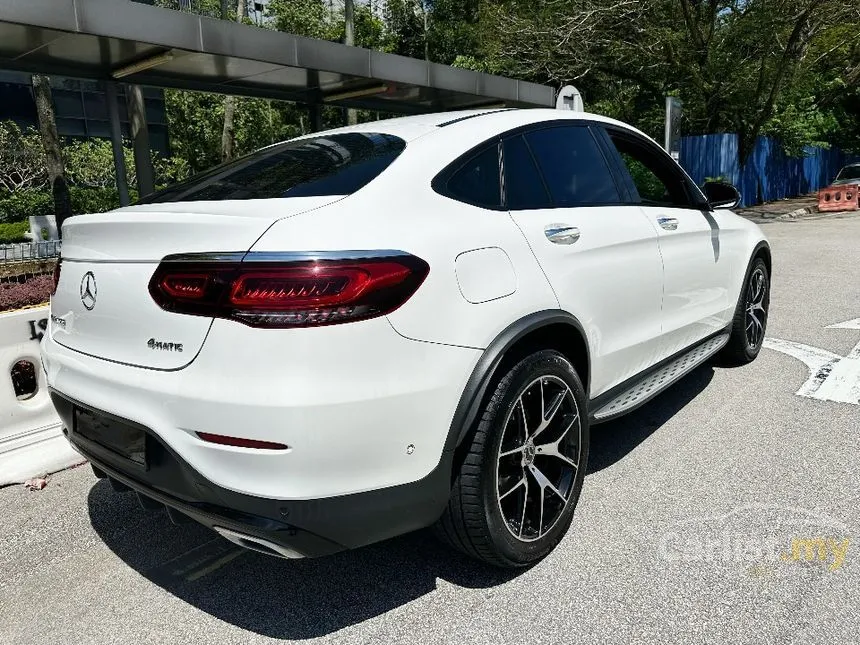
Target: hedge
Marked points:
13	232
18	206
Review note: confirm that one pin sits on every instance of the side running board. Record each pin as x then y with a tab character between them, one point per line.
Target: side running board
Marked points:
655	382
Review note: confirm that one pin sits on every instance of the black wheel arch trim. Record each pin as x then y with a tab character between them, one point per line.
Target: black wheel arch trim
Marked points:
763	245
469	406
768	260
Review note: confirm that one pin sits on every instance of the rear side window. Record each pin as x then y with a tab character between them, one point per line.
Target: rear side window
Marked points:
477	181
524	187
338	164
573	166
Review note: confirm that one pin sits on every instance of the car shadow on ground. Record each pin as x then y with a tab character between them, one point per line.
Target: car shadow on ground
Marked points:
612	440
303	599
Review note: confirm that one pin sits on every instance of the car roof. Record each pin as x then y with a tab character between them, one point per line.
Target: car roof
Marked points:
409	128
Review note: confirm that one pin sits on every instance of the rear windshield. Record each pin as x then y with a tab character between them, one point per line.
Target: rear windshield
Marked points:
337	164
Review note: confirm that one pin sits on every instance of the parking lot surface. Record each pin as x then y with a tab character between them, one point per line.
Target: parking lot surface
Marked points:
726	510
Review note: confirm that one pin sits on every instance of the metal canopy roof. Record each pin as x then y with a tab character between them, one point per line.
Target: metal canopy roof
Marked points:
151	46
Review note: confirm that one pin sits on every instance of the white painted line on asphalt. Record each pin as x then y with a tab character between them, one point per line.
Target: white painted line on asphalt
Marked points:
831	377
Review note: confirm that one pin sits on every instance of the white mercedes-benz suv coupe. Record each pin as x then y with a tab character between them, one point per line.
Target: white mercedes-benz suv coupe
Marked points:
363	332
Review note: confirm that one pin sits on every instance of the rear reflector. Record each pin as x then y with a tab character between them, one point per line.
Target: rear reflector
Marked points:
239	442
286	290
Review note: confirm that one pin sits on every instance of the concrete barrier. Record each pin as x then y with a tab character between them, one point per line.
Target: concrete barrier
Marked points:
31	438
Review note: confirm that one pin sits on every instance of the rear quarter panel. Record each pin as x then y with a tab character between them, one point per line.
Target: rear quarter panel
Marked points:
400	211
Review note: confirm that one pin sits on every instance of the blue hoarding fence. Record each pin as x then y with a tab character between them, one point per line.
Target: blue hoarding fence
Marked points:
769	173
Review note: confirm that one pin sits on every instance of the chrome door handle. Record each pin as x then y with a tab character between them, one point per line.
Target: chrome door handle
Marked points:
668	223
561	233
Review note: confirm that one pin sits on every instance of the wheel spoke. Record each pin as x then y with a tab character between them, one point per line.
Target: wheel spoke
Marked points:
525	505
549	414
513	488
544	483
525	422
542	502
551	449
514	451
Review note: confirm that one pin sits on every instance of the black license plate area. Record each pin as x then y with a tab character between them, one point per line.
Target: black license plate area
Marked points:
126	440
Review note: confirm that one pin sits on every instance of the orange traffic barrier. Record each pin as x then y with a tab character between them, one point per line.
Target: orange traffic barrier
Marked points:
841	197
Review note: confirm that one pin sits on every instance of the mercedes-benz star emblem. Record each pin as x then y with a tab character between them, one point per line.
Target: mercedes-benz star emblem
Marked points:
88	290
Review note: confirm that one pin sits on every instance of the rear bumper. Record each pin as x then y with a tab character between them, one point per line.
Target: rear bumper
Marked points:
305	528
360	407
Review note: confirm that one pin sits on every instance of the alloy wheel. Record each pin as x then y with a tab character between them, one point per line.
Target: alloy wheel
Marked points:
756	312
538	458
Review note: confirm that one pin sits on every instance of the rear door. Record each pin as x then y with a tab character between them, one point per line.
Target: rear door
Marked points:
697	274
599	253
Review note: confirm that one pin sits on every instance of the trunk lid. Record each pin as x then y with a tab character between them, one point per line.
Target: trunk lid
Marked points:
102	306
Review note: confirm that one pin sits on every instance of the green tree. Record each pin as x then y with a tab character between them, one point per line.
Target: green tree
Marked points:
736	64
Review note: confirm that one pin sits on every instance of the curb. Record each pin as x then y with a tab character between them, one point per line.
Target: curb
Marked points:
798	212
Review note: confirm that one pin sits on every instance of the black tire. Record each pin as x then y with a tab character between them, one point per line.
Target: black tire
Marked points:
742	348
474	521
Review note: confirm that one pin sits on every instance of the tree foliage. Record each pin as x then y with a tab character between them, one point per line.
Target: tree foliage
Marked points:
744	66
789	69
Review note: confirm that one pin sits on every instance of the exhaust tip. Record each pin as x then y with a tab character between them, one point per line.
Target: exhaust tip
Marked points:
260	545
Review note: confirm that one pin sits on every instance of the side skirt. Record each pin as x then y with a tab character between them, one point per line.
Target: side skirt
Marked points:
637	391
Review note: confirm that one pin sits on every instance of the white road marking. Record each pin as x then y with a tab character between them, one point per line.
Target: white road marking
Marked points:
831	377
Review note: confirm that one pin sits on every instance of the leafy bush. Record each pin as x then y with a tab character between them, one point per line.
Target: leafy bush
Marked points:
93	200
18	206
35	291
13	232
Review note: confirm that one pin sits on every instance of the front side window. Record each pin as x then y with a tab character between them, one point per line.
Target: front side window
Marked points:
477	180
337	164
575	171
657	181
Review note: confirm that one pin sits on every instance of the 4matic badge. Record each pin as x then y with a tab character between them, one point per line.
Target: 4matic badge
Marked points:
164	346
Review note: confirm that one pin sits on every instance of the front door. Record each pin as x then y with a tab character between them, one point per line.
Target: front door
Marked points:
696	271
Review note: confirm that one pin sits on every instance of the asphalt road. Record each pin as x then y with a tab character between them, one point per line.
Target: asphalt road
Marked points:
684	532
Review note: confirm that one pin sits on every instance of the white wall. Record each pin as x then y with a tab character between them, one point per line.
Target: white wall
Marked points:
31	439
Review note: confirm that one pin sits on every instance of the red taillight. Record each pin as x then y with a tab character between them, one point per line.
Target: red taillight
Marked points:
240	442
191	286
56	276
260	291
